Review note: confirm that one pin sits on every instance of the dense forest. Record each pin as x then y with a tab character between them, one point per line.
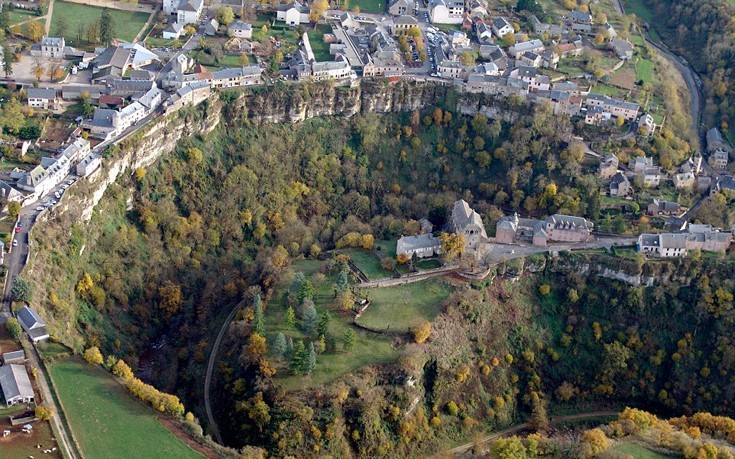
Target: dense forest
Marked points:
172	247
702	30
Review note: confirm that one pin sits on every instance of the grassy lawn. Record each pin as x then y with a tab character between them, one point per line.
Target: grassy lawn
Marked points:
367	262
158	42
127	23
386	248
288	36
639	452
404	306
601	88
229	61
638	8
52	351
428	264
106	421
369	6
321	49
369	348
19	15
644	70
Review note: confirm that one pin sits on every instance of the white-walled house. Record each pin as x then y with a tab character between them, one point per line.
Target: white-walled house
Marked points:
240	29
293	14
43	98
89	164
16	385
446	11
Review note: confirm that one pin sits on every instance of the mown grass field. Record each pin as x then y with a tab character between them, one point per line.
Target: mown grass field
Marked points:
644	70
19	15
127	23
401	307
106	421
367	262
639	452
369	6
316	39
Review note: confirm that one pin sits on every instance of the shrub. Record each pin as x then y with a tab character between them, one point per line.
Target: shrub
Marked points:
93	356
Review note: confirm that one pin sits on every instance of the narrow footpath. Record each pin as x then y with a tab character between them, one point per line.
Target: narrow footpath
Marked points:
520	427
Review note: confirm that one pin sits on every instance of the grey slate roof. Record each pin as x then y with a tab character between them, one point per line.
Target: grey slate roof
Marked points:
14	356
41	93
15	382
422	241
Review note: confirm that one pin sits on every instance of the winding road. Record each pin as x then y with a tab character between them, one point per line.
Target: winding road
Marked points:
692	80
214	431
518	428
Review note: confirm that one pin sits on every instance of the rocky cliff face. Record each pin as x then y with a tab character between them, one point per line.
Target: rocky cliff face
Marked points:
296	103
140	150
279	104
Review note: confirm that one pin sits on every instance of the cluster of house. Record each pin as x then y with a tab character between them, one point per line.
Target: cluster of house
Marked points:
718	149
687	176
14	380
509	230
694	237
357	46
556	228
76	157
462	220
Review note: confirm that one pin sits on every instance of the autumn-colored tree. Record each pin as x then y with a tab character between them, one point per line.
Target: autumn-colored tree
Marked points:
93	356
34	30
44	413
318	8
539	419
171	299
256	346
14	209
593	443
544	289
421	332
453	245
259	411
122	370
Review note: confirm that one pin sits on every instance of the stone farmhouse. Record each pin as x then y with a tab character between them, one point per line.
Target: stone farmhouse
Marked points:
423	245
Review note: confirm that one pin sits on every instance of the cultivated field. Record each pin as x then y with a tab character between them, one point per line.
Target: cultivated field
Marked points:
127	23
106	421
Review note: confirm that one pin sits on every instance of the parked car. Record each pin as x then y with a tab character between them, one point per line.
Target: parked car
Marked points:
17	229
65	186
15	243
40	208
20	223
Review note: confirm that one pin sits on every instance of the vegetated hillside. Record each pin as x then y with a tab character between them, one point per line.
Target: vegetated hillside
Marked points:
635	434
702	30
173	247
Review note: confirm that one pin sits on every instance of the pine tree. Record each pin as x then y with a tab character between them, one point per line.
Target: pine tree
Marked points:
348	339
106	27
298	358
323	327
310	318
289	348
310	360
306	291
341	283
8	60
289	319
258	322
321	344
279	346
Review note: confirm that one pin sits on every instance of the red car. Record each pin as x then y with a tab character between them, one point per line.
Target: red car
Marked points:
17	229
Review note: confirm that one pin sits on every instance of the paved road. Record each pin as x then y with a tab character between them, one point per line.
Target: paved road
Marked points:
214	431
692	80
515	429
